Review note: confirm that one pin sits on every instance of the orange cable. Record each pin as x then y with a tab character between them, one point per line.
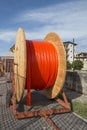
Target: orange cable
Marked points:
42	65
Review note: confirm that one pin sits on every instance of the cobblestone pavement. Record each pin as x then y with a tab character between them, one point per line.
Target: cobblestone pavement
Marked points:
67	121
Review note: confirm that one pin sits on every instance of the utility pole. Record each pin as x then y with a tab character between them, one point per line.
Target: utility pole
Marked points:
73	51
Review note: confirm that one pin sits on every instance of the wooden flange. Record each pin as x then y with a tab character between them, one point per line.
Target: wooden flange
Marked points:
20	64
57	87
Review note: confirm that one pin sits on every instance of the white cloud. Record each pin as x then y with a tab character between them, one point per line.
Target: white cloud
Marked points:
7	35
68	19
64	15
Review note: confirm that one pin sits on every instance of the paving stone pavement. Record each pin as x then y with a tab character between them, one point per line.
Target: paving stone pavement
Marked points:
67	121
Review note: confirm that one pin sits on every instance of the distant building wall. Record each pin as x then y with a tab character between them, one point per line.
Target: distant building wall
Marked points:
83	57
85	65
70	51
7	61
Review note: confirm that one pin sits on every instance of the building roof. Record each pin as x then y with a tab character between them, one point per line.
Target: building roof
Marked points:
81	55
12	48
84	53
69	42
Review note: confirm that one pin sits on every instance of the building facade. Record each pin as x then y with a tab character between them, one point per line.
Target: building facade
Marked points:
83	57
7	61
70	50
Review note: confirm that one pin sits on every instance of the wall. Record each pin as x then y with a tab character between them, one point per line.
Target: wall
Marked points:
76	81
85	65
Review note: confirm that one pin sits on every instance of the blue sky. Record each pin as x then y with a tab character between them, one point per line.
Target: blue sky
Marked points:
68	18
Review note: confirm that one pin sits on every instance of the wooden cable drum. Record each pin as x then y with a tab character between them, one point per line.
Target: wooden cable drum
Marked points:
39	65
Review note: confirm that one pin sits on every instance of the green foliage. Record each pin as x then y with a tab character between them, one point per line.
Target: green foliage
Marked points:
77	65
69	65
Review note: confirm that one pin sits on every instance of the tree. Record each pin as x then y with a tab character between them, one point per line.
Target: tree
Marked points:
69	65
77	65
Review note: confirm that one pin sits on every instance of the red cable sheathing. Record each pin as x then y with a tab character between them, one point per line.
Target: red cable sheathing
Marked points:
42	65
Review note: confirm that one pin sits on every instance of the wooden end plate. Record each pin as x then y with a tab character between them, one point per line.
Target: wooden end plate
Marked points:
20	64
57	87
